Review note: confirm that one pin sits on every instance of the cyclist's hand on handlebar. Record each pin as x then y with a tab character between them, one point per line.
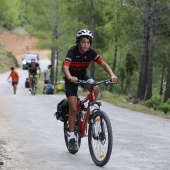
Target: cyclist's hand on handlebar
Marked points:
113	79
73	79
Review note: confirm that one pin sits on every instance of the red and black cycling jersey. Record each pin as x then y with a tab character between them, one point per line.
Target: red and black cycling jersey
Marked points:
78	62
32	69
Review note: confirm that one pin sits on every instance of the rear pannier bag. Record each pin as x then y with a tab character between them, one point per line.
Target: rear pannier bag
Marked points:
62	110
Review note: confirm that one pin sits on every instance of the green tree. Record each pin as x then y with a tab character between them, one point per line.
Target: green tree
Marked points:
126	72
9	13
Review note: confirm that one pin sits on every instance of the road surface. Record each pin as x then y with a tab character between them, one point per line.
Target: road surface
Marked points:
32	139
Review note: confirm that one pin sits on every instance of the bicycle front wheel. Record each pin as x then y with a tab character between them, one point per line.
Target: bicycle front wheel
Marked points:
100	138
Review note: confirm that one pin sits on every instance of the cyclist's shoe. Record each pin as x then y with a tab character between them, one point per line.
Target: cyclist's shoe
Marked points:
72	145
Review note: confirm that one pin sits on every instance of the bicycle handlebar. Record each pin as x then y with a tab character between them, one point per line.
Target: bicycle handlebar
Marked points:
105	82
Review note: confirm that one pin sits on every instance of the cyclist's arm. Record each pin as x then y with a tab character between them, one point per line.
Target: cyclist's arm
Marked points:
39	70
68	75
109	70
28	71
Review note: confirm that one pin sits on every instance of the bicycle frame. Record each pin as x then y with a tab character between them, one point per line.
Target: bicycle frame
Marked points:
34	82
93	122
91	99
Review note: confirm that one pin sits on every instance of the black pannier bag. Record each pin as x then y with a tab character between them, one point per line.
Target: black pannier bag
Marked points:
62	110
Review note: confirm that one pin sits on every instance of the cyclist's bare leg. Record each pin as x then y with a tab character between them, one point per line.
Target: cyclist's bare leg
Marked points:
72	101
96	90
30	83
36	81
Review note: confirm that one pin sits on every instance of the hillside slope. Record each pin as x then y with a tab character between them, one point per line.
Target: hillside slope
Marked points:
17	43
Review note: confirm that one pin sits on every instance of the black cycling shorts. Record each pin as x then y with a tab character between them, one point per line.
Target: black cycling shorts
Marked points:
72	88
14	83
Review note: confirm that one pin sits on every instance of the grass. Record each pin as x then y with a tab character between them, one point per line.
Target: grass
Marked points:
119	100
41	86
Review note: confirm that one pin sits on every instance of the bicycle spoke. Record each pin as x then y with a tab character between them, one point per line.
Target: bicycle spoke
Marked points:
100	138
101	145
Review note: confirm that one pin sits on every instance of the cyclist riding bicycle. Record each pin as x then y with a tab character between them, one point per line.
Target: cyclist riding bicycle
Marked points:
77	60
32	70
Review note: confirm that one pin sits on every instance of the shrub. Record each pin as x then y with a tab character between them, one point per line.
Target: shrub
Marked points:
154	102
12	58
168	101
165	107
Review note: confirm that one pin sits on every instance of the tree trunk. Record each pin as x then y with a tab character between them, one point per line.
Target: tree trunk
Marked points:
167	90
53	53
114	64
151	51
56	77
52	63
144	55
57	54
162	80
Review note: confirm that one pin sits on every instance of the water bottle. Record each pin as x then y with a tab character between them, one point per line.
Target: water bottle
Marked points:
9	81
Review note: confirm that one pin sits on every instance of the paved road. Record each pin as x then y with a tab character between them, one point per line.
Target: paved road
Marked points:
32	139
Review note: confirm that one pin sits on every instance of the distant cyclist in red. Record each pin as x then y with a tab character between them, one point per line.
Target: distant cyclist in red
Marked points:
74	67
15	79
33	68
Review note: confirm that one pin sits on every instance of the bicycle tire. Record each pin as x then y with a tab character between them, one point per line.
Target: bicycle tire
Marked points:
100	146
67	136
33	87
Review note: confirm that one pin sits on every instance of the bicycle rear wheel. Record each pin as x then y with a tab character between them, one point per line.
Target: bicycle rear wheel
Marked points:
100	138
67	136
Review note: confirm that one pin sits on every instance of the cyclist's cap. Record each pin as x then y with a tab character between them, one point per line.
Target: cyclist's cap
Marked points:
32	60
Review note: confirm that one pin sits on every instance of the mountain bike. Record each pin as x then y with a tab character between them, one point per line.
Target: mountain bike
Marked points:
94	123
34	84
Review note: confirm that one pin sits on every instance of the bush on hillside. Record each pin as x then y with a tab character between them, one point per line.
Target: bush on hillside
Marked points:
7	60
154	102
165	107
12	57
168	101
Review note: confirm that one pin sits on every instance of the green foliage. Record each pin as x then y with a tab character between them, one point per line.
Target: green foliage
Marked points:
12	57
154	102
168	101
165	107
116	23
131	64
7	59
122	78
9	13
126	72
